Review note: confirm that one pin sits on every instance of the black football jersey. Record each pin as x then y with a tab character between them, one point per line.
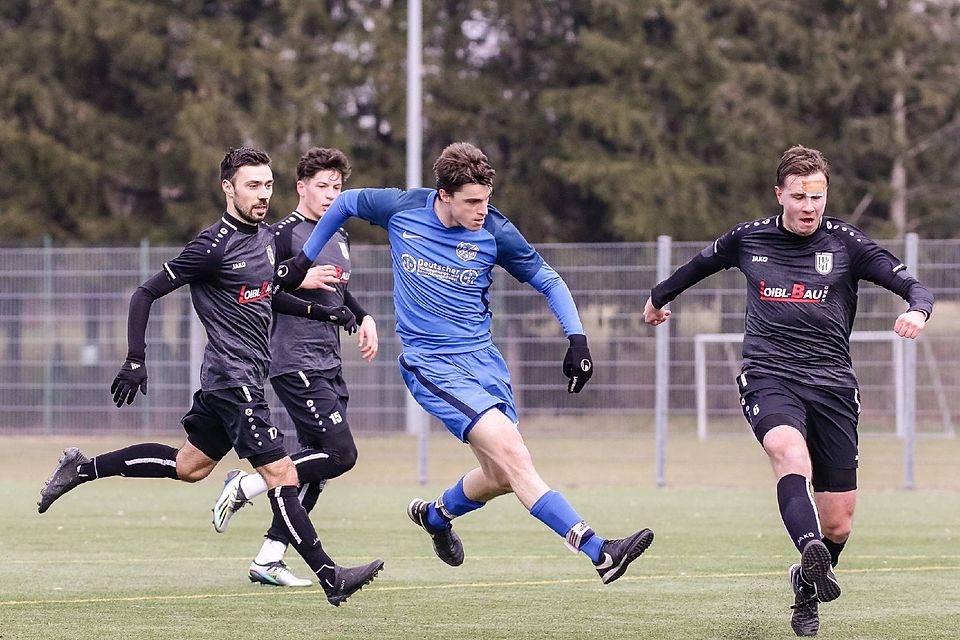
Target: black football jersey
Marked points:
229	267
801	294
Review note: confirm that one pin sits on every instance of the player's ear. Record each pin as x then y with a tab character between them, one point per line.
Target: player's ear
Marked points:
227	187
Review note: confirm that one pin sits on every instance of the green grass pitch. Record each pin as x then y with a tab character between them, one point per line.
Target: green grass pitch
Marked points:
139	558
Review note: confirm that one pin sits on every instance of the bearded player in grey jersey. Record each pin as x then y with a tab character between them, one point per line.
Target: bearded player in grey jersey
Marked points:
305	366
229	267
798	389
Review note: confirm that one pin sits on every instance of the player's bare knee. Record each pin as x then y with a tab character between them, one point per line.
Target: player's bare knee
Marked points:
837	531
193	465
504	484
790	458
516	460
192	473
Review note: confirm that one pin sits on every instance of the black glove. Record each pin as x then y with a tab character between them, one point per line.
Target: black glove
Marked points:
341	316
291	272
131	377
577	364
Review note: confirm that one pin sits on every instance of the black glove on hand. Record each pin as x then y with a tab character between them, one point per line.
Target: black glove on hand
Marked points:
341	316
131	377
577	364
291	272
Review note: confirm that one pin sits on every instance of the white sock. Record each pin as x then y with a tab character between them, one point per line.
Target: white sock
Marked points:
253	485
271	551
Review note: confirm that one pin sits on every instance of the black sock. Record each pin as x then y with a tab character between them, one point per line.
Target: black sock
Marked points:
147	460
300	532
797	510
835	549
308	495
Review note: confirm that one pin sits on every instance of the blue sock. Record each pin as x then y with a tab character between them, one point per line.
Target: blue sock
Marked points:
592	547
553	510
453	503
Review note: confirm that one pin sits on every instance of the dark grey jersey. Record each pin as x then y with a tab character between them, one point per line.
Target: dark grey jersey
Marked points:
801	294
229	267
302	344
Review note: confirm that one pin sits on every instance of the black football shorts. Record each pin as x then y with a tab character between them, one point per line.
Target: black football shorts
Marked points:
826	416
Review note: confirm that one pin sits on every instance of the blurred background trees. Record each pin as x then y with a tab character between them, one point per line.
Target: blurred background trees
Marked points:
605	119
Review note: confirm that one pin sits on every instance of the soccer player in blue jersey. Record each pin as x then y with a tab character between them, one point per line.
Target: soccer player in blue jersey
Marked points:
798	388
444	244
229	267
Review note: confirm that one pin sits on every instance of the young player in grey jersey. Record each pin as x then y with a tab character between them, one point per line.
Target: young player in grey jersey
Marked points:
229	267
798	388
305	367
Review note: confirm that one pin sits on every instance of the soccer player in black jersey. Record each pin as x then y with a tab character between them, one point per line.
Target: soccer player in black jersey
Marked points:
305	365
798	389
229	267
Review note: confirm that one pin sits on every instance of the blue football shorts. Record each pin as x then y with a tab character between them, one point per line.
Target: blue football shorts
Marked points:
458	388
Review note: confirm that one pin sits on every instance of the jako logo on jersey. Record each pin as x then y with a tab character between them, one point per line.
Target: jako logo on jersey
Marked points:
254	294
758	259
238	265
797	293
467	251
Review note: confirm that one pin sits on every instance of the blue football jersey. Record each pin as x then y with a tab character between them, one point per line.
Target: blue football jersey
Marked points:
442	276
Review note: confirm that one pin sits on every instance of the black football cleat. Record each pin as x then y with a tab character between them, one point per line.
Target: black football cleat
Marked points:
616	555
446	542
348	580
805	619
65	477
816	569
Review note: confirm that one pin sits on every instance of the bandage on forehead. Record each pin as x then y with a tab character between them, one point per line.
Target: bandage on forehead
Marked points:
814	187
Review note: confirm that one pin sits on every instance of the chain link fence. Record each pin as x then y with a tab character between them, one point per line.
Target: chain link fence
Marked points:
63	334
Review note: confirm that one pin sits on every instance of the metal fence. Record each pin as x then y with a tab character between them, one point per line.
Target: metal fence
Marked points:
63	334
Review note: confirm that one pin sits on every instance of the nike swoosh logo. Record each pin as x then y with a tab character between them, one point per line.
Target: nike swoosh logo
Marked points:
409	236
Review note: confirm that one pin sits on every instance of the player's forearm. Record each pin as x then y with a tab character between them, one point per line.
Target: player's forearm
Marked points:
919	297
354	305
682	279
137	318
333	218
551	285
899	281
290	305
138	315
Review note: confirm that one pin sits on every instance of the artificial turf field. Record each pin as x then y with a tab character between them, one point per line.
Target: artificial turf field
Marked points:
139	559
